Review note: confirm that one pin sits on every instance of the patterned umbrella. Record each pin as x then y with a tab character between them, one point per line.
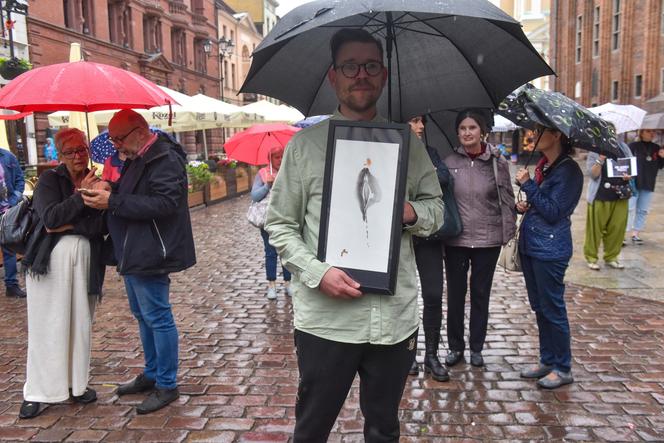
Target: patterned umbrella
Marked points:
529	106
101	147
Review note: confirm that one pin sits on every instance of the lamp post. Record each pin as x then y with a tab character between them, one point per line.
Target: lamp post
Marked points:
225	48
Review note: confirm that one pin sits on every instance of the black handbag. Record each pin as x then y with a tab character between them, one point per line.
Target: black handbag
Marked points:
452	224
16	226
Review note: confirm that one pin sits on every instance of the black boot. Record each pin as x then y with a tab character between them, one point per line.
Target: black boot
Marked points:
431	363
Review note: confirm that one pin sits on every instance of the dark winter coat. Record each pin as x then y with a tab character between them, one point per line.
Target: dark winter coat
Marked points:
148	215
546	232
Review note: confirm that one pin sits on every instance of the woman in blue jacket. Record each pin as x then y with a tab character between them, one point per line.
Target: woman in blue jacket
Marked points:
545	247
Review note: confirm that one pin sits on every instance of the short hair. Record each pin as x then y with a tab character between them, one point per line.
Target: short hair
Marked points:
475	115
348	35
132	118
68	134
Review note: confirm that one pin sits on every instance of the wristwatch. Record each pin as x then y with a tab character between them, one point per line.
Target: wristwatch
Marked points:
599	162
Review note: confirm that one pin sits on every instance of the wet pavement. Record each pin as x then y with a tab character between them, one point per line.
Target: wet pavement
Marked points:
238	373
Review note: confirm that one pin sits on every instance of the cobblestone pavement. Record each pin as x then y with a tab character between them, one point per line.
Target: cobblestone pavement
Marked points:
238	371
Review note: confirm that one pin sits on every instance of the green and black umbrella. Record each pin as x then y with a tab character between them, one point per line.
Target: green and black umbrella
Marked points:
529	106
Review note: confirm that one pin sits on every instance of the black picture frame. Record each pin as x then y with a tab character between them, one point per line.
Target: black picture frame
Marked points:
361	206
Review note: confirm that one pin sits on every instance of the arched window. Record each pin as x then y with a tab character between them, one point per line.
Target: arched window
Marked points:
79	15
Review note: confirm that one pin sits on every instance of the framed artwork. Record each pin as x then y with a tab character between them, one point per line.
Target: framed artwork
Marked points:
363	196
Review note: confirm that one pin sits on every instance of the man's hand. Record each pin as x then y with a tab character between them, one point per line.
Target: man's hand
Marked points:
522	176
90	179
336	283
102	185
409	215
99	200
626	177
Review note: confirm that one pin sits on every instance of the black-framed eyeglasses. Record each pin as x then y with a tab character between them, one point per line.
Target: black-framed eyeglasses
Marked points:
116	140
352	70
81	151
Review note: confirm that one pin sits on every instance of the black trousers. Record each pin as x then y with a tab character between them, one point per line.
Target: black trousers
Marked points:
482	262
327	370
429	259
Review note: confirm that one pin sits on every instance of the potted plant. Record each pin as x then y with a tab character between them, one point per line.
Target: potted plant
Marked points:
10	68
226	167
242	179
199	176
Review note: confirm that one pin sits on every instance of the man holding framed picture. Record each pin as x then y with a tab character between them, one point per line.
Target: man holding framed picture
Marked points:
339	330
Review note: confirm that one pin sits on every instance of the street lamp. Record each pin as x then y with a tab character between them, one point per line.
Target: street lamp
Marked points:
225	48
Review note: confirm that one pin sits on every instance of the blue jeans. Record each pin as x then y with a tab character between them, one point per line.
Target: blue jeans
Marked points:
148	301
9	264
271	260
639	207
546	290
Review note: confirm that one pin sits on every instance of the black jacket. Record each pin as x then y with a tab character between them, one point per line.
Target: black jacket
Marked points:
148	215
56	204
646	169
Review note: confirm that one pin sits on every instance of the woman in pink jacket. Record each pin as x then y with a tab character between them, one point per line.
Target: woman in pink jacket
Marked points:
484	195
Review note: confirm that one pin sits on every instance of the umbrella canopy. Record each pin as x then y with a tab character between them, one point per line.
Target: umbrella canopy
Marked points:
232	115
80	86
529	106
446	54
253	145
624	117
653	121
271	112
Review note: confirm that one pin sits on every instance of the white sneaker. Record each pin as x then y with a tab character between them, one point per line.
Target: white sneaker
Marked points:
615	264
271	293
594	266
289	290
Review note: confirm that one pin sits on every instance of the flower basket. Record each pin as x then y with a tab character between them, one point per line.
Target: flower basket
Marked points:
13	67
199	175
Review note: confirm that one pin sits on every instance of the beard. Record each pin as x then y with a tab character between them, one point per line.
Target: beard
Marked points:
365	100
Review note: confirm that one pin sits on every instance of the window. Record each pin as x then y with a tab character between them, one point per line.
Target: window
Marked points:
577	90
579	37
661	87
119	23
200	57
596	31
224	34
79	15
661	18
225	74
615	26
233	82
638	85
151	34
179	46
614	91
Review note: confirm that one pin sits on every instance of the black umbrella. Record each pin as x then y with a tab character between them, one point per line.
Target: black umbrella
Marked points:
441	132
529	106
441	54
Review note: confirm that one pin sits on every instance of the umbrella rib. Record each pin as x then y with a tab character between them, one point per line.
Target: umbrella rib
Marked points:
479	78
396	50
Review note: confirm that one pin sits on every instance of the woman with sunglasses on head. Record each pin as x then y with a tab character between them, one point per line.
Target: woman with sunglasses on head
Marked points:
545	248
64	276
489	221
429	259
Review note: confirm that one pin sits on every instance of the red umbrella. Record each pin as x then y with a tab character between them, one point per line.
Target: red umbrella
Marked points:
80	86
252	145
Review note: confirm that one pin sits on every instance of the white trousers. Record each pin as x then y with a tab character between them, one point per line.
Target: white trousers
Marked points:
60	314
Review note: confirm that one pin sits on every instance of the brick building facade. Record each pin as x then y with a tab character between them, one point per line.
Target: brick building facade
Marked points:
163	40
609	51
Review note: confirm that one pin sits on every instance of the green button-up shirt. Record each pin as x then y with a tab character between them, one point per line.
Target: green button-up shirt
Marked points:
293	222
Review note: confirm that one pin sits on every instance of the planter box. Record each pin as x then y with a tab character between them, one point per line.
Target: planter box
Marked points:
196	198
218	189
242	180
